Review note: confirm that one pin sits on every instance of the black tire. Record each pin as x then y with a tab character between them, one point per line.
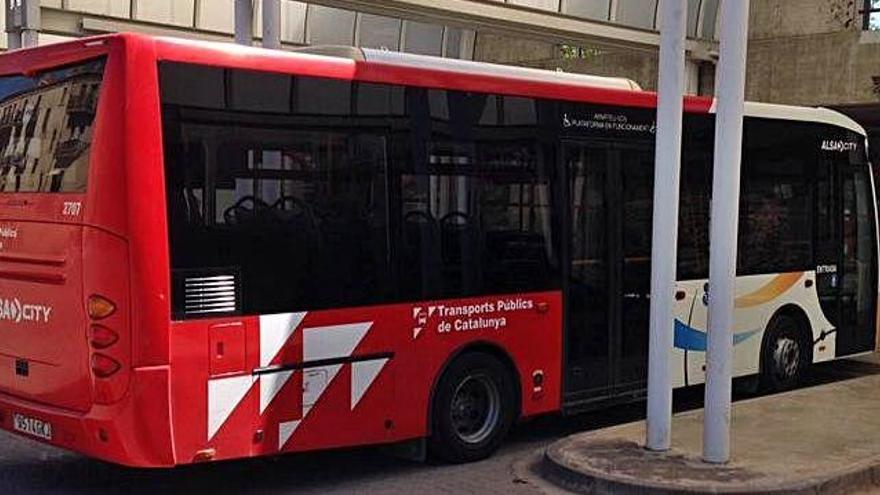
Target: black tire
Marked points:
473	409
785	354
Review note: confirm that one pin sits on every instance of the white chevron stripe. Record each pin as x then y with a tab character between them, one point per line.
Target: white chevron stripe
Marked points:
224	395
285	431
270	385
329	342
363	374
316	381
337	341
275	331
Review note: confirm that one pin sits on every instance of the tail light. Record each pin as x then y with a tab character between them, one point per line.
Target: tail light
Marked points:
101	337
106	329
104	366
100	307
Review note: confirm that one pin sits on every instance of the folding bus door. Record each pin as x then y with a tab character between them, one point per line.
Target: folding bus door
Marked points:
608	301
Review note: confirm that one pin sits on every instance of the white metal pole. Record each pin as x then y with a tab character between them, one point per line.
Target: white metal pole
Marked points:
244	22
272	24
723	228
673	15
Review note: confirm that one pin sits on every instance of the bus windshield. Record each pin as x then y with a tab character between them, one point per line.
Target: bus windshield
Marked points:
46	126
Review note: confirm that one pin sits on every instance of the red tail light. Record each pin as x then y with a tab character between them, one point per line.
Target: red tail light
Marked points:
102	337
104	366
100	307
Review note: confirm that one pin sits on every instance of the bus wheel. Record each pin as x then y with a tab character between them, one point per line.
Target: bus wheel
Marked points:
785	354
473	409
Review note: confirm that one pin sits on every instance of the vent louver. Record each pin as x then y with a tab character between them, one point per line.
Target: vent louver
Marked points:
208	294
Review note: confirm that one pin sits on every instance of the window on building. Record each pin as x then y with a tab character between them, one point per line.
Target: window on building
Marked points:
216	18
293	21
330	26
114	8
589	9
178	12
378	31
637	13
870	15
454	43
693	14
551	5
423	39
710	19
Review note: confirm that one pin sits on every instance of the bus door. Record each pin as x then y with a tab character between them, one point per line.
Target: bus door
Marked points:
858	284
846	270
610	195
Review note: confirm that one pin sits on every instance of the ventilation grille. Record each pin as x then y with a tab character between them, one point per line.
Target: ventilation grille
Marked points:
207	294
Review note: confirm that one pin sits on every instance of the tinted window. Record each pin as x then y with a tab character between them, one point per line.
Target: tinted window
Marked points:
296	211
696	187
476	189
775	224
314	193
46	127
779	167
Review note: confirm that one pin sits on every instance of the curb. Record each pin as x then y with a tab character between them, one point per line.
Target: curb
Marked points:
557	471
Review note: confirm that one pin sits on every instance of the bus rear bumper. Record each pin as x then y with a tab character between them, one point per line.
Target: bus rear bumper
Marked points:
135	431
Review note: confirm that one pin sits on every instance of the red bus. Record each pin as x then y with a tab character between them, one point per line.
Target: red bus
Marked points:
211	252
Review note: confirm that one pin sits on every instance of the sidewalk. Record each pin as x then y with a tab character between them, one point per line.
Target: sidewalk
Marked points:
819	440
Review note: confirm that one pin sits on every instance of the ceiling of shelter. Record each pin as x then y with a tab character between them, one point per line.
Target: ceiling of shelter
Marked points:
642	14
443	27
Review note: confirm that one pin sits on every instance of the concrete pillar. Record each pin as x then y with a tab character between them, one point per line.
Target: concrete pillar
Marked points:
244	22
272	24
22	23
30	30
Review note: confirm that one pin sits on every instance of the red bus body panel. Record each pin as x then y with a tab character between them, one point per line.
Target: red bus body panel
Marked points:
257	385
40	273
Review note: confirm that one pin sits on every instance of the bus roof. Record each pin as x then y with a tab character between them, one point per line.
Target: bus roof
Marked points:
802	114
470	67
403	68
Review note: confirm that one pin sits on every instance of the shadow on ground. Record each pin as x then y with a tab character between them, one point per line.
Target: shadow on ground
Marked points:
27	467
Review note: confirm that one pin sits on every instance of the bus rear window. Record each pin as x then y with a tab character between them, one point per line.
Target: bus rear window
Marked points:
46	126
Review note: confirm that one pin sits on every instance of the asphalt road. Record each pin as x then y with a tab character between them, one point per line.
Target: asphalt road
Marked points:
27	467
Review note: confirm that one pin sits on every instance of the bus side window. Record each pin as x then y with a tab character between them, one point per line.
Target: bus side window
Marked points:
696	187
776	227
261	183
476	189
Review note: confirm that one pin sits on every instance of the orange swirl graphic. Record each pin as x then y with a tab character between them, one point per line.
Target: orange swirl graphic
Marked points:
769	291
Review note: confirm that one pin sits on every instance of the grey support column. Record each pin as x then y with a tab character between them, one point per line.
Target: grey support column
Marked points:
244	22
272	24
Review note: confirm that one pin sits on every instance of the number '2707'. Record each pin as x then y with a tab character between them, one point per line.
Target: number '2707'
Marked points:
72	208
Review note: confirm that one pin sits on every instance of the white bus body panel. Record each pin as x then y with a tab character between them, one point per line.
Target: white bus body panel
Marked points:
758	299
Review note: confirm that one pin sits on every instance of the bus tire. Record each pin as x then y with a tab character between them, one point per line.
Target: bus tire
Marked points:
473	409
785	354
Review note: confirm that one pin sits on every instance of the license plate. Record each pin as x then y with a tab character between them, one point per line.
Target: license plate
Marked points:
31	426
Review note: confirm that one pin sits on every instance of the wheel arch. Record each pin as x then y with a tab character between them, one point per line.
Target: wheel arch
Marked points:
479	347
805	328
